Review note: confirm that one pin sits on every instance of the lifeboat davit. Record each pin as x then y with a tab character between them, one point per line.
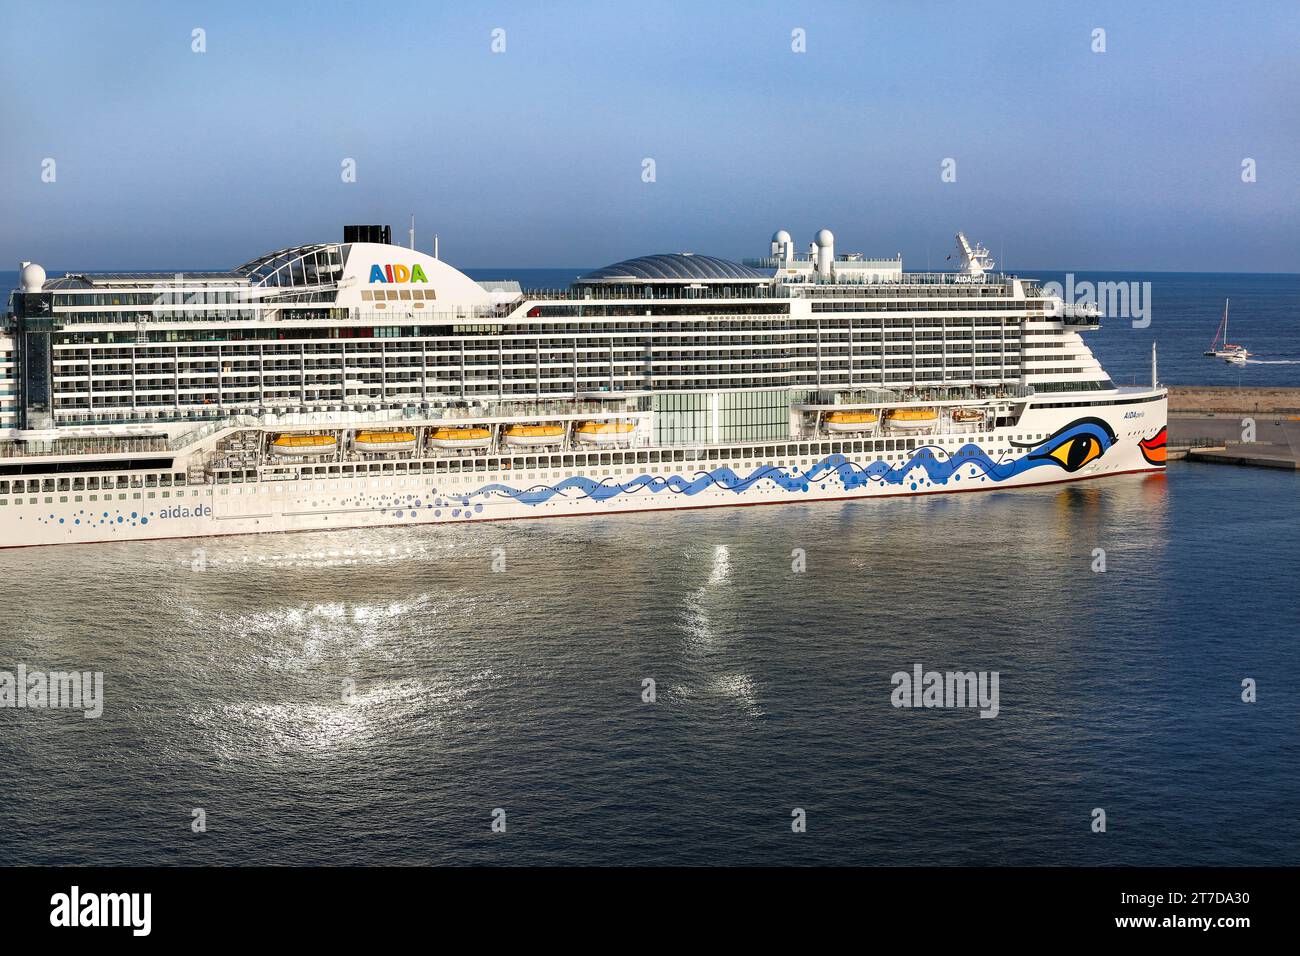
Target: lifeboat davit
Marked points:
967	416
604	433
851	421
912	419
530	436
384	442
466	437
297	446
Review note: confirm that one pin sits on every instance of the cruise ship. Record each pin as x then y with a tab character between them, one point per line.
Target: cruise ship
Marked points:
364	383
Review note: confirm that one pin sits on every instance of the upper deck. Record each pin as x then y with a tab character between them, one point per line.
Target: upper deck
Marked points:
338	326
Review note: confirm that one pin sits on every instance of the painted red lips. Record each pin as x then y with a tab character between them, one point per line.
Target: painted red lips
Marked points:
1153	448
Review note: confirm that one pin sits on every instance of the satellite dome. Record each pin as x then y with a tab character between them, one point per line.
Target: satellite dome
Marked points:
780	236
32	277
825	238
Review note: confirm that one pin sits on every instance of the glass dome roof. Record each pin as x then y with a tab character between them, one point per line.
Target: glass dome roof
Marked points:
674	267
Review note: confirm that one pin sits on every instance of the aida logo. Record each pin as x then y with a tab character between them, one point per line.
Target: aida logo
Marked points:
397	273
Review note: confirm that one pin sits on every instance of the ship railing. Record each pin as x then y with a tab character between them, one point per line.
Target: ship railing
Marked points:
777	289
934	395
741	289
342	419
531	409
803	259
460	315
85	445
188	438
1085	314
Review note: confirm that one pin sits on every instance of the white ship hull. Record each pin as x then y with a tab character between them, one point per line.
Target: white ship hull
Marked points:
1047	445
125	415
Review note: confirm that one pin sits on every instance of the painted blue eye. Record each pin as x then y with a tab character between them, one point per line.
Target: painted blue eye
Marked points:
1075	445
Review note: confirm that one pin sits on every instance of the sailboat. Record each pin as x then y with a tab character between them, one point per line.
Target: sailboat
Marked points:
1220	347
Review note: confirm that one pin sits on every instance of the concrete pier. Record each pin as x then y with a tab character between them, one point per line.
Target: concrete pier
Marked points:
1210	423
1257	455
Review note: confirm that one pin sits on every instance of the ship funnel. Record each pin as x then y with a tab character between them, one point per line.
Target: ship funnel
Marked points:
379	234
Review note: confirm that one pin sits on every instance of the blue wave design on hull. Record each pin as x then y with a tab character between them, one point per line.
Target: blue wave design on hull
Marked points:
851	476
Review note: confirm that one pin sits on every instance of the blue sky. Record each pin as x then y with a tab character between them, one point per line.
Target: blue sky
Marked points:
1065	158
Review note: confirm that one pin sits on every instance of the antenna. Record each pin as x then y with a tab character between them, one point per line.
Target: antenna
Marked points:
1155	381
975	259
435	245
412	230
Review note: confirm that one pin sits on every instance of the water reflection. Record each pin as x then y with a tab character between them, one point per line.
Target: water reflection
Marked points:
504	662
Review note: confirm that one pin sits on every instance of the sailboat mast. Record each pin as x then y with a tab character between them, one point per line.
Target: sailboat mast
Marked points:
1225	321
